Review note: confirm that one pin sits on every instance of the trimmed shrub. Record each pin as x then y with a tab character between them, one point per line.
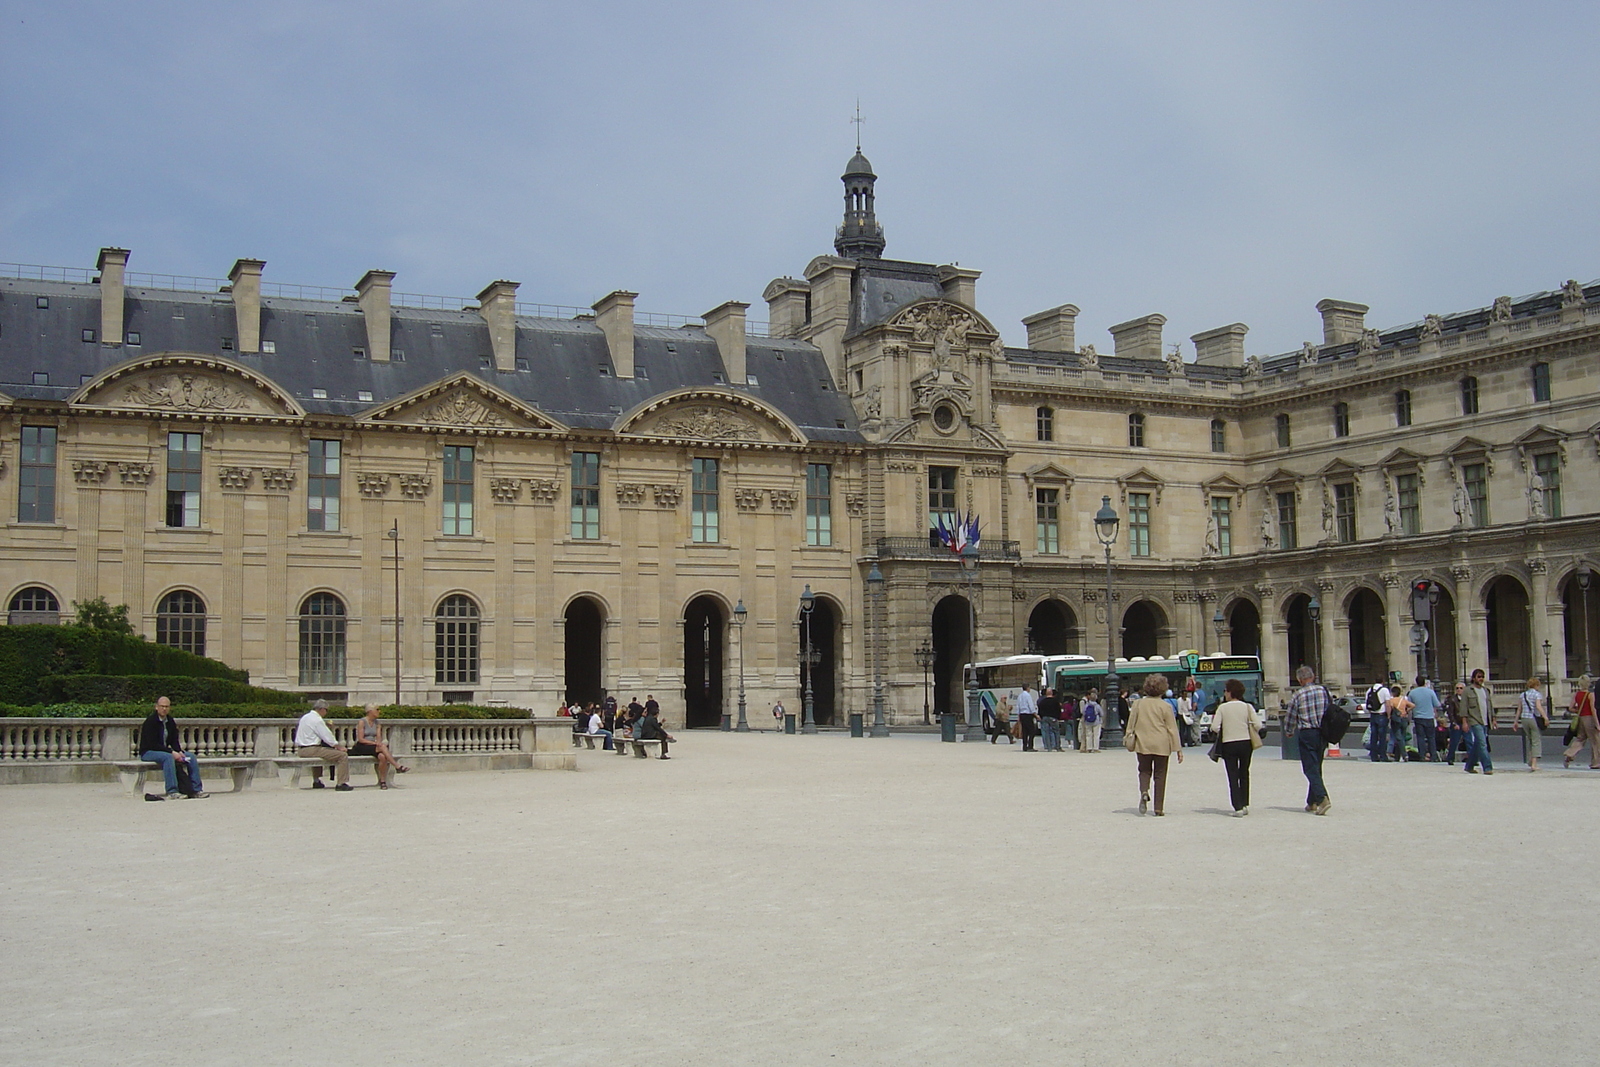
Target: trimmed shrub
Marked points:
135	688
29	653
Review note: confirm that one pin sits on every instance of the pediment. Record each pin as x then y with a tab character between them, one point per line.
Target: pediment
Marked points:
464	402
710	415
1337	468
1468	446
1282	476
182	384
1141	480
1402	457
1049	472
1539	435
934	319
1222	485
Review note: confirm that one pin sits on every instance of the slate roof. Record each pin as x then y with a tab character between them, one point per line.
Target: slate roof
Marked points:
884	286
564	366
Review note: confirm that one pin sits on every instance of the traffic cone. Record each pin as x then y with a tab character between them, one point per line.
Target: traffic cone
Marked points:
1333	750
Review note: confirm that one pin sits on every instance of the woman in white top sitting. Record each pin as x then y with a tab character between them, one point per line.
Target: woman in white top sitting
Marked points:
1238	729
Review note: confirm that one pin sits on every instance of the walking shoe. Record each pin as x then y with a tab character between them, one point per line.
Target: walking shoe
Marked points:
1488	772
1245	810
1159	813
175	795
318	783
1309	807
201	795
1472	770
1144	805
1323	807
343	787
1238	813
1566	761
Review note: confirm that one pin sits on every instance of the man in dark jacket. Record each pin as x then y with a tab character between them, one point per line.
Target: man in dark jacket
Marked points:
159	743
650	728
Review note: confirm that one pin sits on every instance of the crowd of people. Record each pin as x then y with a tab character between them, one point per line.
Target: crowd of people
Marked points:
606	719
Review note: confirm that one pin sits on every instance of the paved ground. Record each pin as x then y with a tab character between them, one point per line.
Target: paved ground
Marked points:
807	900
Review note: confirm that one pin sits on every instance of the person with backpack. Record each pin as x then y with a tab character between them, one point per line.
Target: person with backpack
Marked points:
1400	725
1303	721
1378	714
1092	720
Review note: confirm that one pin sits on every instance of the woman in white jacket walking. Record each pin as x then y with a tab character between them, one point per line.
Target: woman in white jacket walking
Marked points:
1238	728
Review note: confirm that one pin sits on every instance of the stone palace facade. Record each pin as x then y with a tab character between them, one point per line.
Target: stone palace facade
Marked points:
350	492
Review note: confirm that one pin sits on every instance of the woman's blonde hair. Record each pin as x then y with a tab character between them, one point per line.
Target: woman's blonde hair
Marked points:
1533	683
1155	685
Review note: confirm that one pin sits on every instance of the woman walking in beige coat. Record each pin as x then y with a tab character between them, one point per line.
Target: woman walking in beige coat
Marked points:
1152	732
1238	727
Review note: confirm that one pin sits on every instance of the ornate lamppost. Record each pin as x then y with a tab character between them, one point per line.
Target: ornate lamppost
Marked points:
1106	522
1218	623
394	535
808	657
875	594
1314	613
969	567
1463	675
740	614
1432	659
925	661
1549	681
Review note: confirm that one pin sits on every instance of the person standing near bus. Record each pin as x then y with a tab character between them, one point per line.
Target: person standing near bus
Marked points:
1027	717
1091	719
1050	720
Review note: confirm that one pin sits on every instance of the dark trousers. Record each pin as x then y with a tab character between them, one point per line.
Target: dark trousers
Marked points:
1378	743
1236	760
1030	730
1151	766
1427	738
1312	749
1458	740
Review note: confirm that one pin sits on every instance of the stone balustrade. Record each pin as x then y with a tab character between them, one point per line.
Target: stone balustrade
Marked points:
81	750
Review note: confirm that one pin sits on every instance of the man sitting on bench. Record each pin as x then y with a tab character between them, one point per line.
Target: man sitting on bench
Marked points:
649	728
158	743
313	740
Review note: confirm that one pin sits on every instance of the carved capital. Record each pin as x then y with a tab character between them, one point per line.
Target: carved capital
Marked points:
135	473
1390	579
415	486
235	477
630	494
855	504
748	499
543	490
667	496
278	479
1324	585
1537	566
90	471
506	490
372	484
1461	572
784	500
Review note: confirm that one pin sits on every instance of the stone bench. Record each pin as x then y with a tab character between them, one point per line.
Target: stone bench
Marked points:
639	747
134	772
591	738
299	768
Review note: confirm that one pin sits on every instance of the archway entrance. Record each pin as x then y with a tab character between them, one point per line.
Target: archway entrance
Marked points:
1444	661
1244	623
1052	629
1142	626
825	639
952	648
703	632
1369	639
584	626
1580	618
1301	635
1510	641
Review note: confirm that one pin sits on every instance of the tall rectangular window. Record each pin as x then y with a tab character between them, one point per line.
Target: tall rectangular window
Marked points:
183	479
1469	396
1547	465
1047	520
1541	382
1409	499
1341	419
1136	431
1474	476
36	475
1219	435
322	486
1045	423
1222	514
1402	407
704	503
1138	524
457	490
819	504
585	495
1344	511
1283	431
941	496
1288	522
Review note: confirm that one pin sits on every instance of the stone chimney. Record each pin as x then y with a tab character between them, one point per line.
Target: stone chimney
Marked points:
246	279
1139	338
372	291
111	265
1222	347
498	306
725	324
960	284
788	304
1342	321
1054	330
614	315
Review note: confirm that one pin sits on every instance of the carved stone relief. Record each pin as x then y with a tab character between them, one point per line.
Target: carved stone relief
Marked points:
708	424
186	392
748	499
505	490
667	496
135	473
90	471
235	477
372	483
543	490
856	504
631	494
784	500
415	486
461	409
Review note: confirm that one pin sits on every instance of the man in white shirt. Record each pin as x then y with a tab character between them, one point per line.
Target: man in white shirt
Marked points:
1027	709
1377	703
313	740
597	729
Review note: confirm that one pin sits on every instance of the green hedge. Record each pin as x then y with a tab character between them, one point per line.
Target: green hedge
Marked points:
138	688
31	653
253	711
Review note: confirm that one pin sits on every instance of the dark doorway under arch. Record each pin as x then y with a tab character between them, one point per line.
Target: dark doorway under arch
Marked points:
1369	640
703	633
1510	639
1142	626
1052	629
825	675
1301	637
952	648
584	626
1444	661
1244	626
1580	620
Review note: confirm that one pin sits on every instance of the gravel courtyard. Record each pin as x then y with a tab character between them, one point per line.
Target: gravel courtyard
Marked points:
808	900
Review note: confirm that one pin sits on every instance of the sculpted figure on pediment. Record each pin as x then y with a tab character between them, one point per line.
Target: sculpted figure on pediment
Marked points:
1089	358
461	409
709	424
187	392
943	326
1432	327
1501	312
1572	294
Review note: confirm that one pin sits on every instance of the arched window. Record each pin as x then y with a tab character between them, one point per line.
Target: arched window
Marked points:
181	622
1469	395
1045	419
1136	431
322	640
455	642
34	606
1402	407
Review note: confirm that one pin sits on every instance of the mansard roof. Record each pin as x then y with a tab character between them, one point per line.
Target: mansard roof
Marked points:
568	372
884	286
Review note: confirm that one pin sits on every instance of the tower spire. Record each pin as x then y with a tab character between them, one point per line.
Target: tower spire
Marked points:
860	236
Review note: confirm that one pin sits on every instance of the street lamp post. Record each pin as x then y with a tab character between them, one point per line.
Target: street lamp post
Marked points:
925	661
1218	623
394	535
1314	611
969	567
1586	576
740	614
875	592
1463	675
808	658
1432	658
1549	681
1106	522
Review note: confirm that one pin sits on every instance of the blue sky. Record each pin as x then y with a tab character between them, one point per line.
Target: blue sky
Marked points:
1214	162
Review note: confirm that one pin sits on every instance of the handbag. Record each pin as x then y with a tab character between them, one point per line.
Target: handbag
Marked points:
1213	754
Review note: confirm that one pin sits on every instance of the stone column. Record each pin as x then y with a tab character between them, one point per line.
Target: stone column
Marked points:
1396	631
1539	629
1339	654
1471	620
